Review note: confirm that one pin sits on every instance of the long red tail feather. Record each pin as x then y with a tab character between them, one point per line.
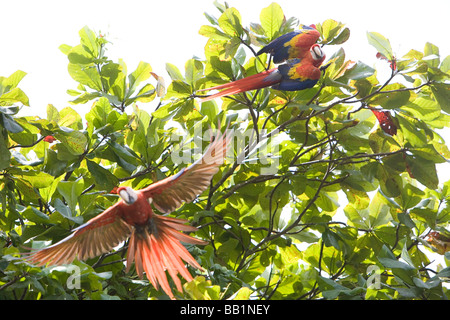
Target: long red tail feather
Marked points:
253	82
156	248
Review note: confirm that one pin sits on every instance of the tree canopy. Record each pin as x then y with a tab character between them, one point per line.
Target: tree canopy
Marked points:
328	193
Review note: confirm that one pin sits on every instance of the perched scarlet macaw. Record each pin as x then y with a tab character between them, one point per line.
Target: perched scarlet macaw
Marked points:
292	45
295	74
154	244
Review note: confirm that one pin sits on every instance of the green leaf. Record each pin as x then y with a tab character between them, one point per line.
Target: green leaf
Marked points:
104	180
5	155
202	289
219	66
342	37
213	33
243	294
380	43
98	115
70	190
75	141
88	40
66	212
230	22
395	264
69	118
406	220
125	153
78	55
431	55
393	99
209	109
174	72
412	131
178	89
424	108
332	33
32	214
445	65
7	84
376	215
423	170
10	124
402	270
86	75
141	73
165	111
26	189
271	20
441	92
112	75
357	72
194	71
16	95
37	179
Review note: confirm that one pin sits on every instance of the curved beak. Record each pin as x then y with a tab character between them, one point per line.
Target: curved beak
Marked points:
128	195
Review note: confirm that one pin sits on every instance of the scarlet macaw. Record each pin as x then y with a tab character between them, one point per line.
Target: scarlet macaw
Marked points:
295	74
292	45
154	244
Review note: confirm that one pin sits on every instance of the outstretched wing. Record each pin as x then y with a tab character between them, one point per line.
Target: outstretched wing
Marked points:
291	45
97	236
169	193
297	76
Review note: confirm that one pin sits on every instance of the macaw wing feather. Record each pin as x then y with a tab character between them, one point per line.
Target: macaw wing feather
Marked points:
291	45
277	46
169	194
297	76
97	236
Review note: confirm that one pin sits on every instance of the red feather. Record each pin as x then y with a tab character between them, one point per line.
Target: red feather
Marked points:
253	82
386	122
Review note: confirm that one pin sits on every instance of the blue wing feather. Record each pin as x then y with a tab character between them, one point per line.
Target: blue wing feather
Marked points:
288	84
277	49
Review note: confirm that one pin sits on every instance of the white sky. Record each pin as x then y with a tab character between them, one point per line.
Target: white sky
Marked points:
167	31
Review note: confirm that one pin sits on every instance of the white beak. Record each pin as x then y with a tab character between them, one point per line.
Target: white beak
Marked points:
128	195
316	53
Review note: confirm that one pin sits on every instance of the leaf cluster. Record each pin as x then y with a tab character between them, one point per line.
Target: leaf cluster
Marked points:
316	202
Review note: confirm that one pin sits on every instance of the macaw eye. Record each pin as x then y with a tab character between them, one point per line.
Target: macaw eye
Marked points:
128	195
316	52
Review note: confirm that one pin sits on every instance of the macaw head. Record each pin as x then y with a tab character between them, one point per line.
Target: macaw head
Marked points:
317	55
128	195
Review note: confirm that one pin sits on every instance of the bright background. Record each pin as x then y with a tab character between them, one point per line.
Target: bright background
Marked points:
164	31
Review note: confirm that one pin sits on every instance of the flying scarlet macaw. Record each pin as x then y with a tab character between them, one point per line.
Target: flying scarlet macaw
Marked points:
154	244
295	74
292	45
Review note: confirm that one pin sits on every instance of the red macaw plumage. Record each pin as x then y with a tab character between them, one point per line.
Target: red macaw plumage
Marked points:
292	45
296	74
386	122
154	244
